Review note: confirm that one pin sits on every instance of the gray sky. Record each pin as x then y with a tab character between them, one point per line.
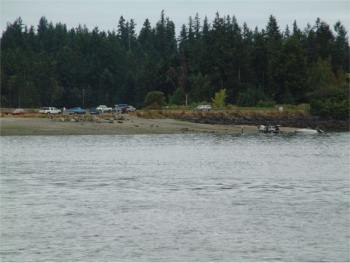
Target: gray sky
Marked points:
105	13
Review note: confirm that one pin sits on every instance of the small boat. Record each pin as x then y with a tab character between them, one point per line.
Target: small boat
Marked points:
308	131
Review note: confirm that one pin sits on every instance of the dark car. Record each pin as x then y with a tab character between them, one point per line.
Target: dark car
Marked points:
76	110
123	108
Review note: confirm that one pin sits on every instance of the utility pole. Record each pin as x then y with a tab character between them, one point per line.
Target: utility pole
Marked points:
83	97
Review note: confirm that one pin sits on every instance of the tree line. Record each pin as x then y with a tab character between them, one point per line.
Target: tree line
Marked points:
54	65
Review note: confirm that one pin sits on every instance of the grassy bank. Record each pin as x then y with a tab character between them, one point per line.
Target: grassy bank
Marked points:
228	112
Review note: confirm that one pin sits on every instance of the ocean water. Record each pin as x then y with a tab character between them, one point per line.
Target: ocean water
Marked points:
175	198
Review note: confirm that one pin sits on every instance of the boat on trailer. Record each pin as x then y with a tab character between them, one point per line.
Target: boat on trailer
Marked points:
273	129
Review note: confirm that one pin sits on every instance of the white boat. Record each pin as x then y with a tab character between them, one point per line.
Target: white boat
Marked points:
308	131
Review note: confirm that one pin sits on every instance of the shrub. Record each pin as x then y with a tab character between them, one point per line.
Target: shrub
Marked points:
155	100
219	100
335	105
330	108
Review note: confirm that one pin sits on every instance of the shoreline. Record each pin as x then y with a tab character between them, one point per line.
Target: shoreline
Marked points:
17	126
330	125
296	120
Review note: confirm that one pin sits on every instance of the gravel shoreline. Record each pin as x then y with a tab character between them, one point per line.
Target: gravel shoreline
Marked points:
130	125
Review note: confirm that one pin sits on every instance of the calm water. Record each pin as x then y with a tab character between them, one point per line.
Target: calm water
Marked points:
175	197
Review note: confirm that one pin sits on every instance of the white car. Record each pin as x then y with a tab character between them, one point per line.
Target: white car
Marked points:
130	108
204	107
104	108
49	110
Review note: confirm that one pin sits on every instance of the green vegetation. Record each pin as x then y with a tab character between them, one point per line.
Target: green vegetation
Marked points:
219	100
178	98
155	100
54	65
250	97
336	107
330	97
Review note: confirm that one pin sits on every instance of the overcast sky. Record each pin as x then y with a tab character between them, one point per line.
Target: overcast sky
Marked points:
105	13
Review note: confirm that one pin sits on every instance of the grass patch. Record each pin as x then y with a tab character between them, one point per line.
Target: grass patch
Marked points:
231	111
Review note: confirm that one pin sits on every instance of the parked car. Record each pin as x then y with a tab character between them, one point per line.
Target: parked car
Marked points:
104	108
121	108
124	108
204	107
18	112
49	110
76	110
94	111
130	108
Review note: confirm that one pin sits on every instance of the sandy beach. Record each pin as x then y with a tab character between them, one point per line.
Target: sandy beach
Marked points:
130	125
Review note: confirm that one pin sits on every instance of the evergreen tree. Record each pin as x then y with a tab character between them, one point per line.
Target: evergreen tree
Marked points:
340	52
274	87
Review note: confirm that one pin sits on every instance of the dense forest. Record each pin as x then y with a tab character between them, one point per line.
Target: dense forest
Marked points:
53	65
